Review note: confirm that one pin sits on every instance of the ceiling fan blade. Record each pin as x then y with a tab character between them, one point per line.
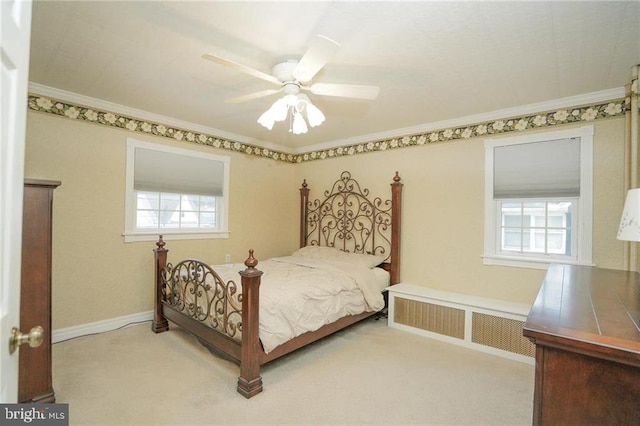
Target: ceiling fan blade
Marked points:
243	68
344	90
253	96
321	50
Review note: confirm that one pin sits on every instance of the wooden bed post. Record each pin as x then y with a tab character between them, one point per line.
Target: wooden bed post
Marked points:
250	381
396	199
159	323
304	203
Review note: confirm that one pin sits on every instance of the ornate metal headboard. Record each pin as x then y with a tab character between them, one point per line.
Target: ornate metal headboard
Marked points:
350	220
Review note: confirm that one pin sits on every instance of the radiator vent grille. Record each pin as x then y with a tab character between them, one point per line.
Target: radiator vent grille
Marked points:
501	333
427	316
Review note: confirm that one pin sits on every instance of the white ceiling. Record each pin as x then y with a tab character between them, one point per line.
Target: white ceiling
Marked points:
434	61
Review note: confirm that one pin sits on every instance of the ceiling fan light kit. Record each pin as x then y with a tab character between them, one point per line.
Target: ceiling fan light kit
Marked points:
293	106
292	75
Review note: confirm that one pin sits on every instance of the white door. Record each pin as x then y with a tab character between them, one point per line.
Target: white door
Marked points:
15	24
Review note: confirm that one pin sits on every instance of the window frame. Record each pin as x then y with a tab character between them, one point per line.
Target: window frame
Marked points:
132	234
582	251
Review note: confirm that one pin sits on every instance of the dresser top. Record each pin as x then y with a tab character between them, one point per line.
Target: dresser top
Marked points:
588	308
41	182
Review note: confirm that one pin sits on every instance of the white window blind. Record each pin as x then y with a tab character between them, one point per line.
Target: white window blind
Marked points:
161	171
537	169
179	193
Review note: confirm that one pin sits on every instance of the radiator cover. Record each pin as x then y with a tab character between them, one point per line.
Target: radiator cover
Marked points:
482	324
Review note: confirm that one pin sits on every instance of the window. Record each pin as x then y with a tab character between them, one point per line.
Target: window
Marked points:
538	191
166	210
536	227
179	193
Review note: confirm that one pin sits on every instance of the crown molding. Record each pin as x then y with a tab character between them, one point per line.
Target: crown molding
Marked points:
571	101
504	114
87	101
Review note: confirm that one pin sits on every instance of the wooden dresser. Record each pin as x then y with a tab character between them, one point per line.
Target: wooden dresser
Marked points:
34	371
585	323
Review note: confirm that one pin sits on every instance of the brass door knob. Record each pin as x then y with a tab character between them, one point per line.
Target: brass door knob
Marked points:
34	338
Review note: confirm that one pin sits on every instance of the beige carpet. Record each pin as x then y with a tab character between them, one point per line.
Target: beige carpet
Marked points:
367	374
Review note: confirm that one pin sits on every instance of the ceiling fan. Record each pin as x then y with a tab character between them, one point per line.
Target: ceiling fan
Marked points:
294	75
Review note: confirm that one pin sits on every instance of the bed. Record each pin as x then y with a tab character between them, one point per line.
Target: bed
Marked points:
349	249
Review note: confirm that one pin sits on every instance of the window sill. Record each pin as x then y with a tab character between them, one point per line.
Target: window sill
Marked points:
526	262
167	235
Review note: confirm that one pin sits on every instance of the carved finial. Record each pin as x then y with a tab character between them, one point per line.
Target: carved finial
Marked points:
396	178
251	261
160	243
304	183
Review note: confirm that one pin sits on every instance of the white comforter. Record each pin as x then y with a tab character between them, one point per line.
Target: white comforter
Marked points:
298	295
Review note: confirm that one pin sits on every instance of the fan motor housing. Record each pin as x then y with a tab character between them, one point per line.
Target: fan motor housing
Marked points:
283	71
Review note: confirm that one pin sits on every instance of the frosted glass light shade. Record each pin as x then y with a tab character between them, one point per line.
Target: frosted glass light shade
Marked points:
314	115
279	109
266	119
299	126
629	229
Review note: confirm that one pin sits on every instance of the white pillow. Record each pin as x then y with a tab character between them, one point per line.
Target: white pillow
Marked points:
365	260
331	253
317	252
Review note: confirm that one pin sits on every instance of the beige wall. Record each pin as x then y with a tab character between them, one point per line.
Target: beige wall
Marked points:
443	211
96	276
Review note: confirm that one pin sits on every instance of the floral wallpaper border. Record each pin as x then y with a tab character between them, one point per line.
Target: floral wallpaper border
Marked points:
613	108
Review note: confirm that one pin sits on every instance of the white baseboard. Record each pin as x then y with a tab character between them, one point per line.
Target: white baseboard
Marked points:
62	334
